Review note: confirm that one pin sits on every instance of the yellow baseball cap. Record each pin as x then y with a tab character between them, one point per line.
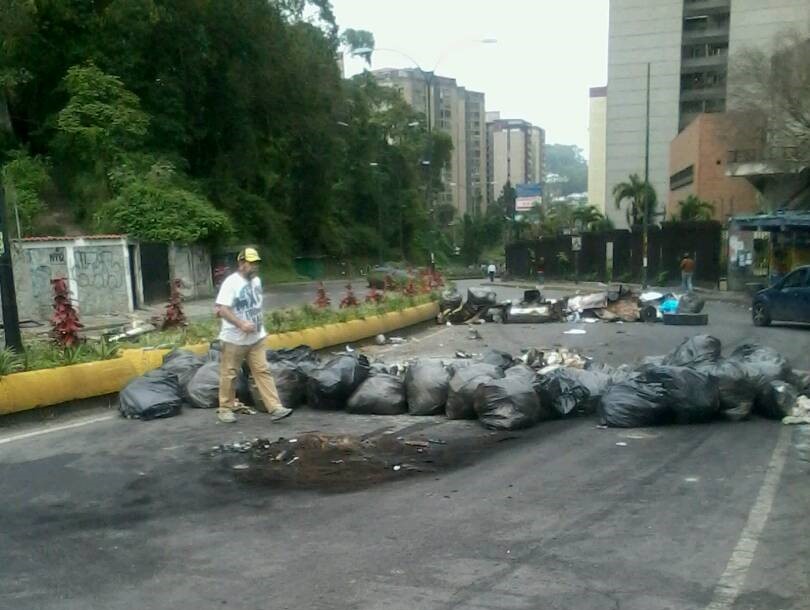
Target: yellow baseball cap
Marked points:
249	255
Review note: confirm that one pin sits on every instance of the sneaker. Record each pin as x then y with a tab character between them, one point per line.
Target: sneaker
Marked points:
280	413
226	416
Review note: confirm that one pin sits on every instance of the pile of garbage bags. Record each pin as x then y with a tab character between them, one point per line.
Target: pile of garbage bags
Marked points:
692	384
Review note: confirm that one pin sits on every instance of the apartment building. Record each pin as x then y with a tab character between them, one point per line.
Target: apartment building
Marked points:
459	113
597	135
687	45
515	153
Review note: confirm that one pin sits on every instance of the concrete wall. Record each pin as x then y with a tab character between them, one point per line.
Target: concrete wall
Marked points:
758	23
642	32
192	264
597	126
97	270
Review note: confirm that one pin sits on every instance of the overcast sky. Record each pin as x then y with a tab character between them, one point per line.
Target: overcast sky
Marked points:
549	52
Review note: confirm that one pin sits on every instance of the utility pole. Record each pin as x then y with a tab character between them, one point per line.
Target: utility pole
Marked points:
645	227
11	320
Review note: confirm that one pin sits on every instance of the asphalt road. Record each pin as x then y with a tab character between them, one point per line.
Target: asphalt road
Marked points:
112	514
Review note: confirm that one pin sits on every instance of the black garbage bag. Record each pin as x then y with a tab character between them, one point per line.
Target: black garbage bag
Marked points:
631	404
155	395
291	382
507	404
524	371
294	354
454	365
801	381
202	391
651	361
481	297
734	385
776	400
182	364
502	360
462	388
378	368
426	385
692	395
564	392
330	386
450	299
690	303
379	395
694	351
763	364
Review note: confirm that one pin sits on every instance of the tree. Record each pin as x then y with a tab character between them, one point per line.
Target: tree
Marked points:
101	118
359	39
158	207
769	100
694	208
567	161
641	195
25	179
587	217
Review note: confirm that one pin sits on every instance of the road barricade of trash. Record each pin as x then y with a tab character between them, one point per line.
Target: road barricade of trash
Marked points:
613	304
694	383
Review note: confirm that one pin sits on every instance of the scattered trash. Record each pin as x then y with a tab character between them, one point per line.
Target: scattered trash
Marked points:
575	331
397	468
800	413
621	444
380	339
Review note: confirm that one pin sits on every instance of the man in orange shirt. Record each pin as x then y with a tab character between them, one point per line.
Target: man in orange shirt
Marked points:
687	271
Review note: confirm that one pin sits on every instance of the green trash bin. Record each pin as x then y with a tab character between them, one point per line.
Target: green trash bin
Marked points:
309	266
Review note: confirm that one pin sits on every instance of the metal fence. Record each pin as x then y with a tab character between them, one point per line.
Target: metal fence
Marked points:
617	255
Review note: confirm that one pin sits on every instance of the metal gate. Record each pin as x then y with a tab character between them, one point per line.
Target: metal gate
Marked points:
155	272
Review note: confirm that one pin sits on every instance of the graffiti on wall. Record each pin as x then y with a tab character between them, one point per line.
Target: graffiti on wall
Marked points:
101	277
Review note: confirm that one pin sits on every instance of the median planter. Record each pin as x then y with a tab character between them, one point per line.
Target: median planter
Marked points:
47	387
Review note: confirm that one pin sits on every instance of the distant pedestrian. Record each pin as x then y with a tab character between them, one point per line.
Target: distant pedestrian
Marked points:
239	304
687	271
491	271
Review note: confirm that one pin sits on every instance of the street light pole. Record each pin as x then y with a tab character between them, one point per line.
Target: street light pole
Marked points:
646	193
11	320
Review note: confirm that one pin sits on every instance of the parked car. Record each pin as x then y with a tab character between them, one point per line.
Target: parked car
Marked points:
788	300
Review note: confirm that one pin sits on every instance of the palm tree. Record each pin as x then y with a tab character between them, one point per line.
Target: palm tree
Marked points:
586	217
694	208
641	195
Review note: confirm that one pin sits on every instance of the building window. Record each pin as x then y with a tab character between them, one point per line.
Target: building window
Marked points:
683	178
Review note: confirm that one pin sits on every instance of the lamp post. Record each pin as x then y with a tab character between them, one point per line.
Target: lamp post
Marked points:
375	165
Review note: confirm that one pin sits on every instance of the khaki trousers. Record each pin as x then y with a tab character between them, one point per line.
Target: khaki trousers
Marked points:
231	361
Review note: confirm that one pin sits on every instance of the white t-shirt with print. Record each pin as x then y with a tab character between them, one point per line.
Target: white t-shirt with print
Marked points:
245	300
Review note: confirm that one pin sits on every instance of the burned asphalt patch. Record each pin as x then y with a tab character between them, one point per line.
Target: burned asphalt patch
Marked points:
335	463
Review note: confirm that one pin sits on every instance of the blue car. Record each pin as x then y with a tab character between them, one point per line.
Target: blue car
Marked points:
788	300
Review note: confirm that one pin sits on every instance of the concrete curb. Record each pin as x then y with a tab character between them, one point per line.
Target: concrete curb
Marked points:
48	387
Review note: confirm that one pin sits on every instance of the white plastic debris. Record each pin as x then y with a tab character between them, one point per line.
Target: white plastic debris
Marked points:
380	339
651	295
800	414
621	444
575	331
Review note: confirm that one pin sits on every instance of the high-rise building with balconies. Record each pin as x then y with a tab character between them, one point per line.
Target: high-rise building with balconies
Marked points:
688	45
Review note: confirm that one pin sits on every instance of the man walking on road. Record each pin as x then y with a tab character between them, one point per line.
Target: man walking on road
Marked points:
491	270
687	271
239	304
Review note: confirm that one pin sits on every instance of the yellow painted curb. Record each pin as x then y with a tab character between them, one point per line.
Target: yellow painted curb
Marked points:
32	389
